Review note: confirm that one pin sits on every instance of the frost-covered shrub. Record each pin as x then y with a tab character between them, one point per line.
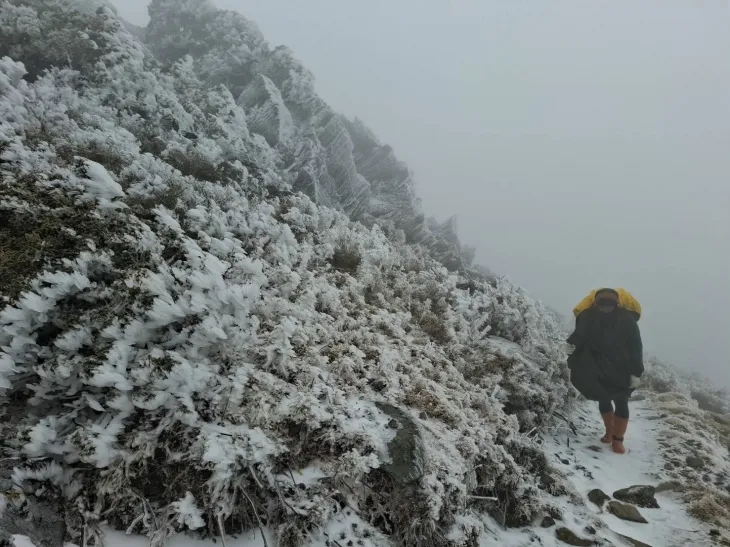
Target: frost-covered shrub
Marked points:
664	378
203	349
716	401
49	34
346	258
336	162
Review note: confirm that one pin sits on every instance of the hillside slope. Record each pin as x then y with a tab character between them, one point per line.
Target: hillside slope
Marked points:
336	162
182	333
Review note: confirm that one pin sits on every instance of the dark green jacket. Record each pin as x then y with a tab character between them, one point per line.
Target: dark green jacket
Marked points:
608	350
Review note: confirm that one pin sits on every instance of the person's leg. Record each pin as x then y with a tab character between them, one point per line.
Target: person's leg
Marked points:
606	410
620	423
622	407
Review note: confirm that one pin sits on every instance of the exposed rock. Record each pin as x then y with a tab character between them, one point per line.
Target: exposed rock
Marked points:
406	449
547	522
624	511
638	397
695	462
599	497
670	486
635	542
569	537
669	466
641	496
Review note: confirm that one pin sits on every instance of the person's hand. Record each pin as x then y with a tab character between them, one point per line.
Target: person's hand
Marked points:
634	382
569	349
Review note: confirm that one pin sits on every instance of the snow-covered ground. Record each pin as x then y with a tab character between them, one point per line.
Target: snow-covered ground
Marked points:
589	464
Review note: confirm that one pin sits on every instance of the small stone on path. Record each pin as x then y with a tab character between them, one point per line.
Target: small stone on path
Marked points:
635	542
569	537
695	462
547	522
599	497
641	496
624	511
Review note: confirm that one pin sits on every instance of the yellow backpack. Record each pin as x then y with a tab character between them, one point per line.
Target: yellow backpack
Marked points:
625	300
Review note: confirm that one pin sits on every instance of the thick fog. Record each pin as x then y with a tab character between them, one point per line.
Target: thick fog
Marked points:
580	144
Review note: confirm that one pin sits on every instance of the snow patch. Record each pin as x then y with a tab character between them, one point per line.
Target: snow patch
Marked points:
21	541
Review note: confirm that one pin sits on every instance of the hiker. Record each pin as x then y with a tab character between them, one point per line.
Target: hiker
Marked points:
606	358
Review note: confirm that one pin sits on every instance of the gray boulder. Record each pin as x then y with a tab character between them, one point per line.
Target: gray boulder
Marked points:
406	450
624	511
599	497
568	536
635	542
695	462
641	496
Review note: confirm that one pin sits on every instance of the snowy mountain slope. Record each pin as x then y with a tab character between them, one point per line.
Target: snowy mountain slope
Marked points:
181	334
188	345
337	162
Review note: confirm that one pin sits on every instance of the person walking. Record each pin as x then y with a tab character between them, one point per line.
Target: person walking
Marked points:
606	358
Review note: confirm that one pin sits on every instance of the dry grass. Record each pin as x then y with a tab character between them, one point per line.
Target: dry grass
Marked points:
710	505
404	513
692	431
50	229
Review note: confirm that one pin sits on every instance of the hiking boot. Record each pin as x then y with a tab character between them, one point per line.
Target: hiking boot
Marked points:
608	422
619	430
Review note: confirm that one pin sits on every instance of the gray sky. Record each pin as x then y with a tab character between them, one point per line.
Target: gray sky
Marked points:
580	144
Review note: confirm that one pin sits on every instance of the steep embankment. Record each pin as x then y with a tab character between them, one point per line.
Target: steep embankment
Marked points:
183	335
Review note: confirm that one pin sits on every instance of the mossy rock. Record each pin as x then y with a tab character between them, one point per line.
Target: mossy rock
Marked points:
406	450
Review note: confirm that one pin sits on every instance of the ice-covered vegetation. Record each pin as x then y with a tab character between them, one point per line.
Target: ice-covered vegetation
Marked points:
222	308
694	440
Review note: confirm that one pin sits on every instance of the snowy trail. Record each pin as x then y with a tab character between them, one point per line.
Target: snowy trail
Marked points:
589	464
